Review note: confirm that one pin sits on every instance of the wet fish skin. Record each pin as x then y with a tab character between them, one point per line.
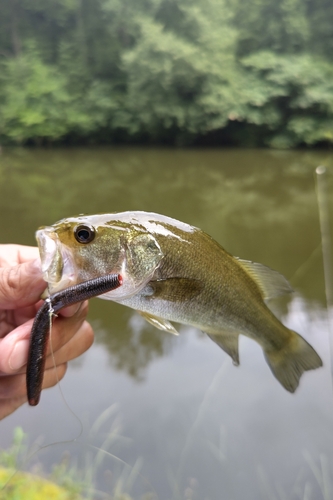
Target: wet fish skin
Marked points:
175	272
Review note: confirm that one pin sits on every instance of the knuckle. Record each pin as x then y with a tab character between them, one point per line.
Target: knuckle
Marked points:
81	314
52	377
10	284
61	370
12	386
88	335
83	311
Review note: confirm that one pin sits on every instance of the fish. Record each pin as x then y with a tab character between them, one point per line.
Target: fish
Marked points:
173	272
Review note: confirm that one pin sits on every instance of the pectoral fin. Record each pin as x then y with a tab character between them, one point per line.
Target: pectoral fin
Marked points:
228	341
161	324
174	289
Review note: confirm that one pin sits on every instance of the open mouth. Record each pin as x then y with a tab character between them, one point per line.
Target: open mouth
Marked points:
57	265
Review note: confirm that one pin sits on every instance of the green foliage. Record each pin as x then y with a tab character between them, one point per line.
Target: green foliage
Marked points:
16	485
10	458
25	486
299	90
281	25
182	78
173	70
65	483
38	102
34	99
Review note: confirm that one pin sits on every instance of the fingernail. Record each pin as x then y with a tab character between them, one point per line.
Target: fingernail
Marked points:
19	355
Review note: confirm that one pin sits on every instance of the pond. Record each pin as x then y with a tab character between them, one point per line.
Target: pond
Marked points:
176	419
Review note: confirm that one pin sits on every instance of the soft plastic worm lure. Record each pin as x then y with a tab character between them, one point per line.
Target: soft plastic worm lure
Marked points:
41	327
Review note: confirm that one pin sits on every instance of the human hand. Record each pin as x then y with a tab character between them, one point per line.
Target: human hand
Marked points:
21	285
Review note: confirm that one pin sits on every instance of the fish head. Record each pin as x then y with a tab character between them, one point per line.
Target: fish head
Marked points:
81	248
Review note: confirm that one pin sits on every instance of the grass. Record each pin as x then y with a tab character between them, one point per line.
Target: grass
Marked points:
66	481
22	485
17	485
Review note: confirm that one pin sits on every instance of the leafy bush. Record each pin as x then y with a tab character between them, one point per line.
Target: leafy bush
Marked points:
167	70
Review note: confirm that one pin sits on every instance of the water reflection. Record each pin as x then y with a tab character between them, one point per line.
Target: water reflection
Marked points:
132	343
200	426
218	429
255	203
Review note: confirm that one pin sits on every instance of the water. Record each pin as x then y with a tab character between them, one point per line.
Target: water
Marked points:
187	422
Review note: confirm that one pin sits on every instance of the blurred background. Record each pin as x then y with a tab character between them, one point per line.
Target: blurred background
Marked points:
216	113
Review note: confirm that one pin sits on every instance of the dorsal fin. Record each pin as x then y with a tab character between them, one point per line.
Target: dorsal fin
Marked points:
271	283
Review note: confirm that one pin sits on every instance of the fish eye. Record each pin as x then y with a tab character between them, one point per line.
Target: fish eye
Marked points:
84	234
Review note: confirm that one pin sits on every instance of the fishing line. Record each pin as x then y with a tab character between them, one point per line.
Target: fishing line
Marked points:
324	222
132	468
52	315
40	330
206	402
100	450
77	418
302	270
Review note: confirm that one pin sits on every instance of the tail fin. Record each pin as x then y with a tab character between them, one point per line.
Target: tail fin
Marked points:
289	363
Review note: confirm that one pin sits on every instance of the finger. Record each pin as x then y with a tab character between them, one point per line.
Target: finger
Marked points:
8	406
14	349
11	255
14	386
54	375
21	285
63	329
12	319
71	310
76	346
26	253
15	346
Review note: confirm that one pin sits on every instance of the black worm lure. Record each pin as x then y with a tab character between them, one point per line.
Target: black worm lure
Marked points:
41	327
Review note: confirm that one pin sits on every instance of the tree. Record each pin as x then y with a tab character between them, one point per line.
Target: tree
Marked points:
181	70
167	70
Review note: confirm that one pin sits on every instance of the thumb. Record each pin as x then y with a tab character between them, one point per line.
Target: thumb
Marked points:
21	285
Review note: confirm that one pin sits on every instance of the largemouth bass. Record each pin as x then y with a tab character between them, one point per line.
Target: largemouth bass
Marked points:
174	272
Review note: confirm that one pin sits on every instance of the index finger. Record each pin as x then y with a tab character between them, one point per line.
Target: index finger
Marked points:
11	254
21	285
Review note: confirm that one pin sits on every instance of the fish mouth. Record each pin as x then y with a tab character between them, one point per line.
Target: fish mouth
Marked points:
57	264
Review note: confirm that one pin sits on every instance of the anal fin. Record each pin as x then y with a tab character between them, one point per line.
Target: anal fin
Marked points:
228	341
160	323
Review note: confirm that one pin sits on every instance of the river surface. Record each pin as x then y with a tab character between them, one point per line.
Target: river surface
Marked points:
175	418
